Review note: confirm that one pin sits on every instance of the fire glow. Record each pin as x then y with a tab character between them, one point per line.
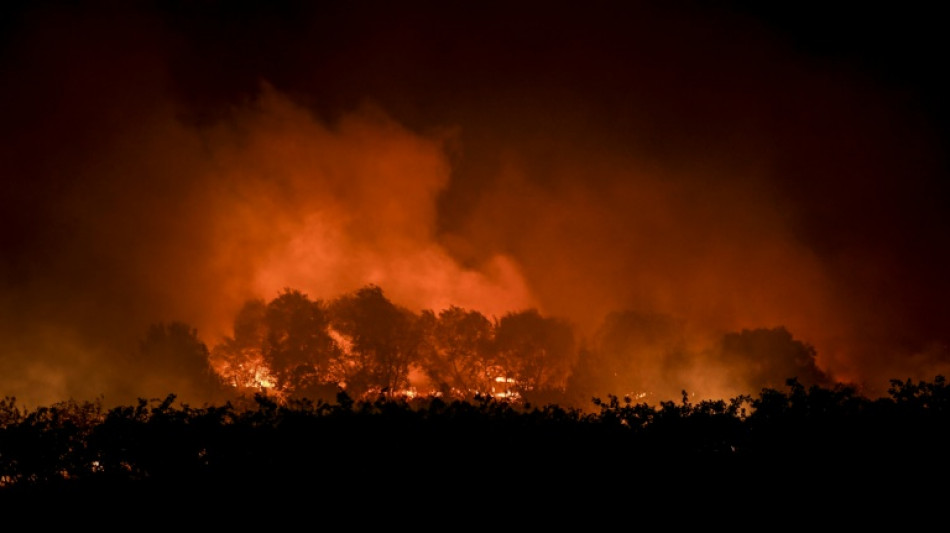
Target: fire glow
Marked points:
710	215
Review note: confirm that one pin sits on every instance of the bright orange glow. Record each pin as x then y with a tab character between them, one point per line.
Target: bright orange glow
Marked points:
330	210
248	371
661	199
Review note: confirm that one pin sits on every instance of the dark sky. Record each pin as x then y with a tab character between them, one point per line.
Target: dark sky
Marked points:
728	165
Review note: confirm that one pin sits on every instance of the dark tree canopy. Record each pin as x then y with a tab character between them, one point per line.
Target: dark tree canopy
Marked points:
172	356
536	351
383	339
766	357
460	355
298	348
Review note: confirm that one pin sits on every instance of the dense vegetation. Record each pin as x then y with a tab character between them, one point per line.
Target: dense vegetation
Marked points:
831	438
297	347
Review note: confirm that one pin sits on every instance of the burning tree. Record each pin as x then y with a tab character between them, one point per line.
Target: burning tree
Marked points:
459	353
297	345
383	338
239	359
535	353
284	345
366	344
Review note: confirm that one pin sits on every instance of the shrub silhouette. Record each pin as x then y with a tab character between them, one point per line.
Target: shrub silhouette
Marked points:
408	448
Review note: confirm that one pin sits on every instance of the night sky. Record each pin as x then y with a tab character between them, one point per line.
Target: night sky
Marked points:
729	166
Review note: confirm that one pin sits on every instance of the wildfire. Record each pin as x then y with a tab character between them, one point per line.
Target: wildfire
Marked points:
247	372
505	390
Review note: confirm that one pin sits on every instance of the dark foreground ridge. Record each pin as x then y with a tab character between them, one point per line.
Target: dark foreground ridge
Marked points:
800	447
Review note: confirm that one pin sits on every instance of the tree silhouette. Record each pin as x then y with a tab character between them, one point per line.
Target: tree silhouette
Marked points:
172	359
383	337
535	353
283	345
160	451
298	348
458	358
239	359
767	357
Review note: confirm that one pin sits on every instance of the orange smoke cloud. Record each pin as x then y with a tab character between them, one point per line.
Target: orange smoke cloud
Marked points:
330	209
638	238
177	223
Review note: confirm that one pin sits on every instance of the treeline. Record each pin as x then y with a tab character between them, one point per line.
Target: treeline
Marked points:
486	445
294	346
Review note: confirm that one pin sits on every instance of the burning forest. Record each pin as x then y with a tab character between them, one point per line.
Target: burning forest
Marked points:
532	207
296	347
